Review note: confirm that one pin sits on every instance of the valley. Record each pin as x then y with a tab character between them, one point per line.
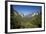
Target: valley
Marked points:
27	21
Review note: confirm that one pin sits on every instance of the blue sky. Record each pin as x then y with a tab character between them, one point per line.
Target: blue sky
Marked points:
26	9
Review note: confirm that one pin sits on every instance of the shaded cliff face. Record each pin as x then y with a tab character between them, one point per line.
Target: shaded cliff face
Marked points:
15	18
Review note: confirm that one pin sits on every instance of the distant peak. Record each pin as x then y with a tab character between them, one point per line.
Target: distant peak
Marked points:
34	14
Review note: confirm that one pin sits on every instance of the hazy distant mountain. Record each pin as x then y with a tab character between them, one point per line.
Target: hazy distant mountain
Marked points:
31	15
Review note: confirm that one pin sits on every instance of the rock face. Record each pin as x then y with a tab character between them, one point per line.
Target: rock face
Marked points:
21	14
18	13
